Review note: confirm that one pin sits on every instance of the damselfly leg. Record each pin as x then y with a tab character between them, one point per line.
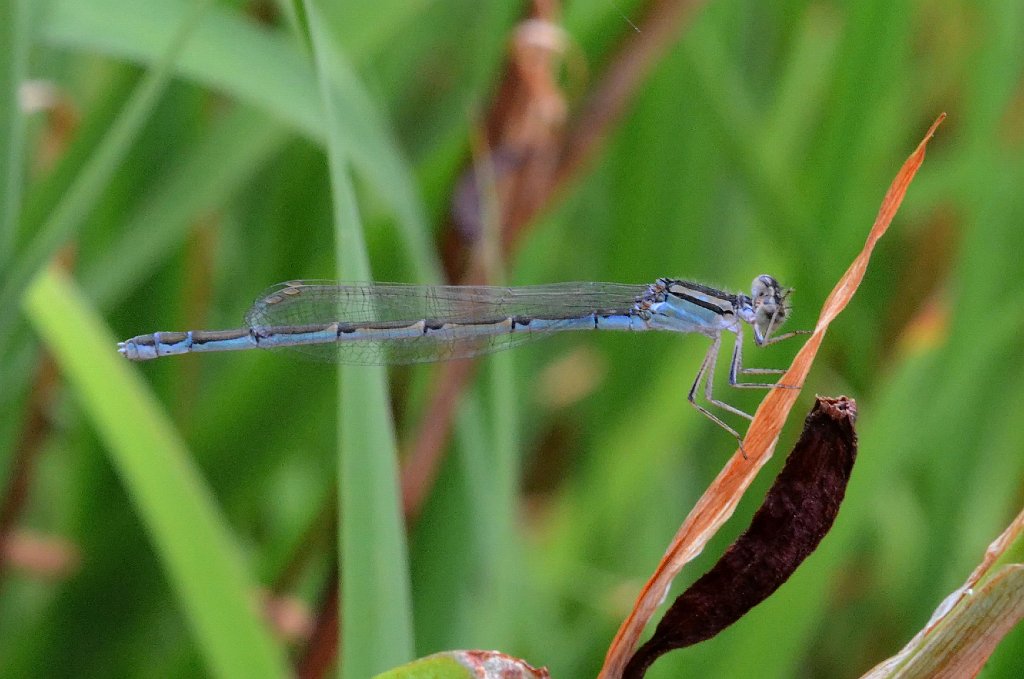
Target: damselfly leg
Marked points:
736	368
706	373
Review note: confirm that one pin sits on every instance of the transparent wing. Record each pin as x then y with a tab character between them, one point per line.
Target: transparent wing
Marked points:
472	312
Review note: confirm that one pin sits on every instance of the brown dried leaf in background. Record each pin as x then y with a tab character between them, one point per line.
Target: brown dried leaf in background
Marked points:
517	152
797	512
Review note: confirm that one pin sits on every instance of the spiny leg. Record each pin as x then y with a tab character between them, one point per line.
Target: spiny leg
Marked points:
784	336
709	362
736	366
712	361
768	339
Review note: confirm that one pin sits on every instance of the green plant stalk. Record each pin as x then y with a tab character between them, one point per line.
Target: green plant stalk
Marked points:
191	537
376	601
15	35
69	213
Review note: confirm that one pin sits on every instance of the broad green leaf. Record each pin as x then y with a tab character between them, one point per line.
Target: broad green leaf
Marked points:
202	561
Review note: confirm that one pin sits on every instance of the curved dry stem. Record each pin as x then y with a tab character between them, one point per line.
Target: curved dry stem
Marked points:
720	500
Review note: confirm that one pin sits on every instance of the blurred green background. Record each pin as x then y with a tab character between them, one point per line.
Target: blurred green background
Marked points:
146	505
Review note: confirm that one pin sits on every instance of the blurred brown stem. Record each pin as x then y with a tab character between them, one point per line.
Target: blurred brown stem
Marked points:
34	432
534	154
322	650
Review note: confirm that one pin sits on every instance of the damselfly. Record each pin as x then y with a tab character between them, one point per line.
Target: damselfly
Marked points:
388	323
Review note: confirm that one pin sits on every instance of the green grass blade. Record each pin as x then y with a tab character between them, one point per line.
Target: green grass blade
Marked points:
266	70
194	543
239	143
68	214
227	53
495	527
15	30
375	592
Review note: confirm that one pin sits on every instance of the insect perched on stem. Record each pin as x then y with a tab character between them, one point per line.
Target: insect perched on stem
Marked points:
390	323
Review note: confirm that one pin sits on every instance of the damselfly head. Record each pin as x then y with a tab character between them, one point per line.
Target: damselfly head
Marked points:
771	305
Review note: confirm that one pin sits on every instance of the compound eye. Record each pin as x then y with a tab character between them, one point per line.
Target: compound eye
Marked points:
764	286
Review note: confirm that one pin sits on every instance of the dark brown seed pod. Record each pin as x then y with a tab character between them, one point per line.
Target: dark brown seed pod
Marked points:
796	514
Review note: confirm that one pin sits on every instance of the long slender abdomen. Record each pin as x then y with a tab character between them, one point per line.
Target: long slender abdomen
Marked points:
384	342
157	344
